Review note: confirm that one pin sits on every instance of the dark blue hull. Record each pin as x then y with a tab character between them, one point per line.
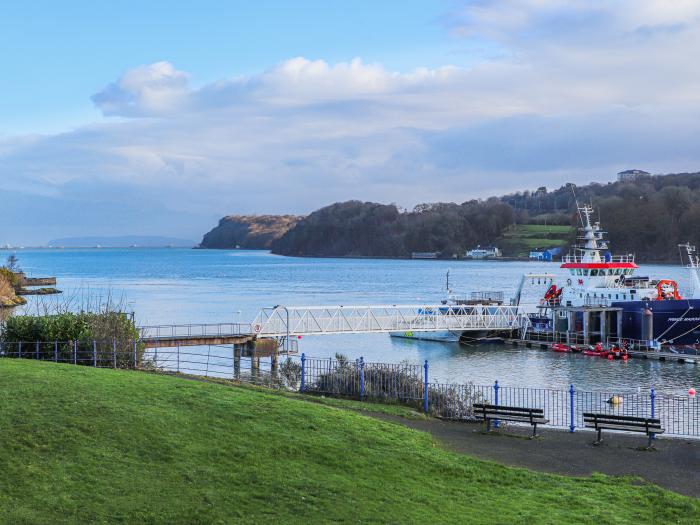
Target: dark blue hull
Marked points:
673	322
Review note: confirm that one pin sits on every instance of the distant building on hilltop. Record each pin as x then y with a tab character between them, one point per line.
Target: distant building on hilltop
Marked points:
631	175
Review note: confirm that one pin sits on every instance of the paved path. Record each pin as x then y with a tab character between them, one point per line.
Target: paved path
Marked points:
675	464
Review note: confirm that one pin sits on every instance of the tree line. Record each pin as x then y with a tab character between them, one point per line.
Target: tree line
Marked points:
649	217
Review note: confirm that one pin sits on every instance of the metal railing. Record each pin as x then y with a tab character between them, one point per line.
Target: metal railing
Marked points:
195	330
400	383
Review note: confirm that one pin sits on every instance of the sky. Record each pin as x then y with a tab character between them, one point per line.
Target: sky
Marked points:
158	118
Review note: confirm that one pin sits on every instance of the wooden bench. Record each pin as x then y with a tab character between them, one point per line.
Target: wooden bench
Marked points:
600	422
534	416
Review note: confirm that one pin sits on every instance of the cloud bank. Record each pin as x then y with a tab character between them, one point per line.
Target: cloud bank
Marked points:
561	91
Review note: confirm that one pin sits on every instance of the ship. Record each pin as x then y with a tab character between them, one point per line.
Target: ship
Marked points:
646	309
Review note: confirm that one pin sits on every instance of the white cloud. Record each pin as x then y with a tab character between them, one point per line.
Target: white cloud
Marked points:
577	89
145	90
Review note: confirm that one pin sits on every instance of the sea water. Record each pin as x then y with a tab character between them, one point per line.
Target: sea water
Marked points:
181	286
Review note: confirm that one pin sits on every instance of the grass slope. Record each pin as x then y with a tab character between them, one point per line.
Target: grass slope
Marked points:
520	239
87	445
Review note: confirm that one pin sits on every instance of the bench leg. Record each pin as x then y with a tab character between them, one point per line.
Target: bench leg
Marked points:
600	438
534	431
650	441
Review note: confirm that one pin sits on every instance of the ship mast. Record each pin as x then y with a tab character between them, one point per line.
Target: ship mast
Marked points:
693	267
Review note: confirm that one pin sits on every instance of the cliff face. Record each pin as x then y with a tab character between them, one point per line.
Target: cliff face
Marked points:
256	232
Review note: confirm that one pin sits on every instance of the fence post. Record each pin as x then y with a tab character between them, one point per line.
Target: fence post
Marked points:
36	350
19	350
114	351
55	351
425	387
94	353
75	352
495	390
303	372
362	379
136	363
178	359
652	396
572	424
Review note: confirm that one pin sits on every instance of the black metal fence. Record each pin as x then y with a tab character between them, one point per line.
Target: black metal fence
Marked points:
403	383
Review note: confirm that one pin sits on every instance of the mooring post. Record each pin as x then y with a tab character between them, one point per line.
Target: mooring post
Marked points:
652	396
362	379
303	372
237	351
572	424
94	353
496	388
425	387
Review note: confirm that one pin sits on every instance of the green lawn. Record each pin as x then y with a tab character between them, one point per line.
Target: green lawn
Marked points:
85	445
520	239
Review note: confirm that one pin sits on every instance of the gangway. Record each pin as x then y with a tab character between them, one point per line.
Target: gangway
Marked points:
284	321
292	321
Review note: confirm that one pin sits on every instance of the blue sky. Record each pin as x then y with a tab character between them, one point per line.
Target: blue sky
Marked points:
55	54
158	118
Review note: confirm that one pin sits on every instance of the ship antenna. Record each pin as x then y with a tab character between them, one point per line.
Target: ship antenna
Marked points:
578	210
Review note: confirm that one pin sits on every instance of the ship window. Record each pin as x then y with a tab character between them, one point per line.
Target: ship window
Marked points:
616	296
594	273
609	296
602	272
572	272
579	272
580	295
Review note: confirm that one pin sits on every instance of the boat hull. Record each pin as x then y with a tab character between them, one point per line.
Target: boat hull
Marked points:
442	336
674	322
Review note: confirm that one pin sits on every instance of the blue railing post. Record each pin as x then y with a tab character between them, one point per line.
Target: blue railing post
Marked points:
496	388
572	424
425	387
652	396
362	378
94	353
303	372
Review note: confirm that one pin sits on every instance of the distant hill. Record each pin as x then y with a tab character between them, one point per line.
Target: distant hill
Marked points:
256	232
125	241
648	215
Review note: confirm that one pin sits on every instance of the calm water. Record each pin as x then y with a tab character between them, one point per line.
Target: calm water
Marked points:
172	286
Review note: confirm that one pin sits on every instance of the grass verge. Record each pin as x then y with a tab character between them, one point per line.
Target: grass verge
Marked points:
88	445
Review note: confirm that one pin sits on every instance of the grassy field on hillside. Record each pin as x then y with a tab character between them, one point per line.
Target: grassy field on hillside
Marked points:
520	239
89	445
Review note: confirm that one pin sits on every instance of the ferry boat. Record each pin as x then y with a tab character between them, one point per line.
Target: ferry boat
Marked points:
651	310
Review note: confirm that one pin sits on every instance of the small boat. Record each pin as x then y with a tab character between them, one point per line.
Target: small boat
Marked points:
577	349
559	347
595	351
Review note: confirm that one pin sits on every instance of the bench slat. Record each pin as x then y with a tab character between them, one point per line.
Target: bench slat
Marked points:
629	428
590	415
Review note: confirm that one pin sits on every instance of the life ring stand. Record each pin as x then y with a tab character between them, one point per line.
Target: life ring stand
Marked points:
257	328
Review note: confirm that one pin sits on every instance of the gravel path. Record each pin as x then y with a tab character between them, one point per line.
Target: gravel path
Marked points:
675	464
